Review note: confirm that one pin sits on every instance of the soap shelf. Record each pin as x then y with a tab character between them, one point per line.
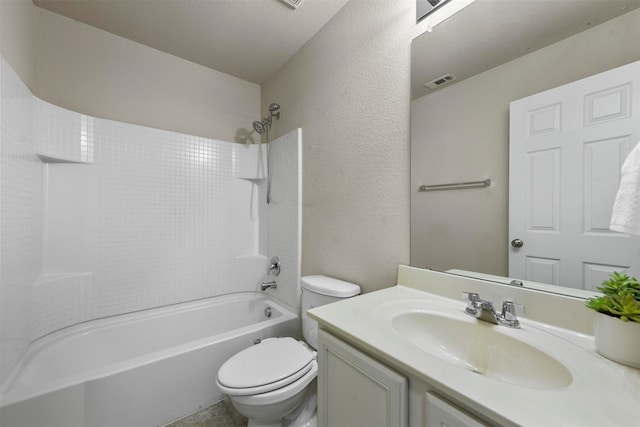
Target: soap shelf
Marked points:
49	159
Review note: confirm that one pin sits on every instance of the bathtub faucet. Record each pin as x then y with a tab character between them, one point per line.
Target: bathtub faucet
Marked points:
274	268
268	285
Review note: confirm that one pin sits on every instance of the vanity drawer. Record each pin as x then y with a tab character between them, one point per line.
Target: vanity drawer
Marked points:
441	413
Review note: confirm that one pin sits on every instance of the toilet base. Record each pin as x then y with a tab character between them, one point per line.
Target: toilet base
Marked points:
302	415
305	415
313	422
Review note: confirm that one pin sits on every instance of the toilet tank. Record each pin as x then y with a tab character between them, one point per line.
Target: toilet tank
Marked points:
320	290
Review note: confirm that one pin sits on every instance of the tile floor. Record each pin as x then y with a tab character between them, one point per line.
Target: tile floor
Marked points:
222	414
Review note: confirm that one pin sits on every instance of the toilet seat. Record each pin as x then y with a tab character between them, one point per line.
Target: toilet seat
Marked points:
270	365
280	395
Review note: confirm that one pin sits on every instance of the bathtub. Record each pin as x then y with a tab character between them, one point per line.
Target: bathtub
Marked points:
140	369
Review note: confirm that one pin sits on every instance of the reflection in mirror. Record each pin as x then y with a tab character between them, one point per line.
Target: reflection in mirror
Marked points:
497	51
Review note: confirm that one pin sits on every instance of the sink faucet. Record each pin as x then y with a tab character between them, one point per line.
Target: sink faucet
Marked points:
484	310
480	309
268	285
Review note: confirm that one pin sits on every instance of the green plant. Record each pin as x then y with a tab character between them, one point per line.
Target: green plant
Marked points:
621	298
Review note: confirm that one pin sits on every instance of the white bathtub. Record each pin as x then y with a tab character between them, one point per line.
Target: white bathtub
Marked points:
140	369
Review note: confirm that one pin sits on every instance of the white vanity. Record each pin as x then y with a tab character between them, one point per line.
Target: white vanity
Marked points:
410	356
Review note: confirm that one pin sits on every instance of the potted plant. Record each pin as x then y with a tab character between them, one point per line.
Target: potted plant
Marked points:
617	324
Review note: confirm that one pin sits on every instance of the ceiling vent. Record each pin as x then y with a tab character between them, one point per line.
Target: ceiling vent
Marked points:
292	3
440	81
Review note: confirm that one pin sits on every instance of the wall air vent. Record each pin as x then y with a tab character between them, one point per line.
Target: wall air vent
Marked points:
292	3
440	81
427	7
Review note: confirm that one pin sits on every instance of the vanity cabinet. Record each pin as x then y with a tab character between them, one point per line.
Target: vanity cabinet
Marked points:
357	391
405	356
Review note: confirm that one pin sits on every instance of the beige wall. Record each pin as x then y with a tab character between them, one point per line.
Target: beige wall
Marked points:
461	133
17	38
348	88
85	69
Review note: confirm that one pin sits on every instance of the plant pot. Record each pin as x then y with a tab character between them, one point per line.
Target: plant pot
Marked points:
618	340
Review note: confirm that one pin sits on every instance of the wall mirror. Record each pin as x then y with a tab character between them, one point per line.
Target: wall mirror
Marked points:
465	73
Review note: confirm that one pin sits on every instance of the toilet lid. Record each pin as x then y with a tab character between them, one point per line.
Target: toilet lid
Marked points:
265	363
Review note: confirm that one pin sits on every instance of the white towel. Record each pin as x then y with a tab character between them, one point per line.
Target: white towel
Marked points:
626	208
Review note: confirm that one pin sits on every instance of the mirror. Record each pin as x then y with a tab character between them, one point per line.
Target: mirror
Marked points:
494	52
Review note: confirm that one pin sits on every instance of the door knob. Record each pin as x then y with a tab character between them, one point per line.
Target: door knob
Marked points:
517	243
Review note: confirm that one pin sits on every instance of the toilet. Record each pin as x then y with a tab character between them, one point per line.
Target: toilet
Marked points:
273	383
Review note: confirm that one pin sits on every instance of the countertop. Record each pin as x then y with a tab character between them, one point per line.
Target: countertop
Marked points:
602	393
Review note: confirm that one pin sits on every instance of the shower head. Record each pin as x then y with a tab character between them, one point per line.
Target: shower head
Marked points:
261	127
272	111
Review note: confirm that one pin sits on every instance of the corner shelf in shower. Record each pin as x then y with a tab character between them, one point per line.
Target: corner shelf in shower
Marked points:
44	158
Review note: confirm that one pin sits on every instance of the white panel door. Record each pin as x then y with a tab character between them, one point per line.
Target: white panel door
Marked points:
567	146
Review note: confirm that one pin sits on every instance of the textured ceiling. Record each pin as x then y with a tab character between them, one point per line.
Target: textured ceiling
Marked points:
492	32
249	39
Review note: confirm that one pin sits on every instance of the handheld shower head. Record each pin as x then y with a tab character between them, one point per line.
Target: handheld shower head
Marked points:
260	127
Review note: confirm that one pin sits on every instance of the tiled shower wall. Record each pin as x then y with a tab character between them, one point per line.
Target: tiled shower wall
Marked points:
20	218
285	218
101	218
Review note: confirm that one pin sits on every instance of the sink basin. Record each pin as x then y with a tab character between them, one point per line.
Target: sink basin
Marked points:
481	348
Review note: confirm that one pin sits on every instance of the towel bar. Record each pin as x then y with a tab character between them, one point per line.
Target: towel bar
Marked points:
456	185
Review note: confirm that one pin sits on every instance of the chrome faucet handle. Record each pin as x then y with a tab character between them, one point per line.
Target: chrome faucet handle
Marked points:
510	313
470	296
510	310
472	299
274	267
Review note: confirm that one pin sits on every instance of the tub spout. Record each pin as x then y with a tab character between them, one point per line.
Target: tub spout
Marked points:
268	285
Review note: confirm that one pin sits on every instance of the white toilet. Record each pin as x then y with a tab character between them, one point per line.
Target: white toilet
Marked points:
273	383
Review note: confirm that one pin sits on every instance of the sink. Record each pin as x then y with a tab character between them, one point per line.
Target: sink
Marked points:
481	348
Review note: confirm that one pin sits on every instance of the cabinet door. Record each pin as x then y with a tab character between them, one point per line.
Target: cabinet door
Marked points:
355	390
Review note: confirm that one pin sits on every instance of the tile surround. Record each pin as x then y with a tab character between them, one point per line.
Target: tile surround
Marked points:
59	301
101	218
285	220
20	216
61	133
